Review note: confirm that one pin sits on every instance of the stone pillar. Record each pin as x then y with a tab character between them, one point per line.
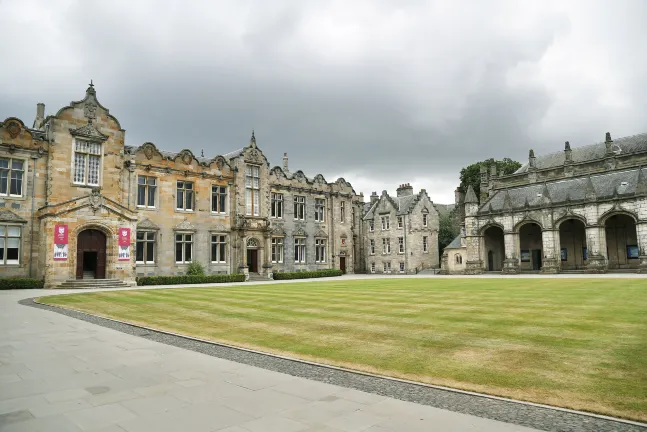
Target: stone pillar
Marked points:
596	247
267	255
641	233
550	244
511	244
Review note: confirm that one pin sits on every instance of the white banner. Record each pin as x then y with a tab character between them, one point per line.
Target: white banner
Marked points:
60	252
124	253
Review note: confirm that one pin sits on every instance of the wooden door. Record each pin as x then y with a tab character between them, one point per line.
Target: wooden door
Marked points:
91	241
342	264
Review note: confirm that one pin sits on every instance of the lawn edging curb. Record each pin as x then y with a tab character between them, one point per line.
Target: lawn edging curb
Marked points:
494	416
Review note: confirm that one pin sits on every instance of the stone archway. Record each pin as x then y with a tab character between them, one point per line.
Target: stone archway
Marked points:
622	242
530	247
91	254
572	244
493	248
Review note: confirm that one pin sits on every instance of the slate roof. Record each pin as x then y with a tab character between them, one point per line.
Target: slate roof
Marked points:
171	155
234	153
455	244
404	205
622	183
622	146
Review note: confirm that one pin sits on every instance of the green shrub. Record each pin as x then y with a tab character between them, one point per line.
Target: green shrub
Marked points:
20	283
195	269
307	274
188	280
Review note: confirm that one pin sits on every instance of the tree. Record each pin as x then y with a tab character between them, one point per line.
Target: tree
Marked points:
447	230
471	174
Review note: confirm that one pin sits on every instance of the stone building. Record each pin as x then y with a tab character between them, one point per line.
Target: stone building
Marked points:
583	209
76	202
401	232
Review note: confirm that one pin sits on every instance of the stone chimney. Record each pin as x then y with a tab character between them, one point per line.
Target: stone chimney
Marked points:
492	171
608	142
532	164
285	162
40	115
568	156
374	197
404	190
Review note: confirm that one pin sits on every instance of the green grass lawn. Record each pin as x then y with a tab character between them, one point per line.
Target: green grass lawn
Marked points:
576	343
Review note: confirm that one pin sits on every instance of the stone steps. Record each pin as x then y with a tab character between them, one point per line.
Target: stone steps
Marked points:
92	284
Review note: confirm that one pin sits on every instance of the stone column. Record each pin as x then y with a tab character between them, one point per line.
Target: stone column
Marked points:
267	255
511	244
641	233
596	249
550	244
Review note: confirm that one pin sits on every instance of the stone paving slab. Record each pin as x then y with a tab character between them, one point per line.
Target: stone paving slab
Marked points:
79	376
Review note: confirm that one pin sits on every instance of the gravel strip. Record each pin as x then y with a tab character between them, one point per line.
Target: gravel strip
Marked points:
506	411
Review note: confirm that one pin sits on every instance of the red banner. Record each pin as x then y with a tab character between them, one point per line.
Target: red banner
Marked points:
60	234
124	236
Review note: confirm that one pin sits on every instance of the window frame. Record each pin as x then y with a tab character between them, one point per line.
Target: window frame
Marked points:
184	243
425	219
252	190
184	199
386	225
298	204
276	205
220	194
147	186
386	245
299	250
10	169
222	243
342	211
401	245
320	210
401	266
371	246
371	225
4	235
320	251
373	267
277	250
86	164
400	222
425	244
144	242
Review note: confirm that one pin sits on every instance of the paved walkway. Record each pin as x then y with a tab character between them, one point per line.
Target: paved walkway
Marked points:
60	374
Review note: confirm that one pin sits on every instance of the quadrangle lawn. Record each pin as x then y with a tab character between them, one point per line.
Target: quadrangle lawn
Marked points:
575	343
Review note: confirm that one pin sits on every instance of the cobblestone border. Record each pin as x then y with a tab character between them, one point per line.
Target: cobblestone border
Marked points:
494	408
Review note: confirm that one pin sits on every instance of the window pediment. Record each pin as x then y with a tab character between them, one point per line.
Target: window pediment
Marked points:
89	132
185	225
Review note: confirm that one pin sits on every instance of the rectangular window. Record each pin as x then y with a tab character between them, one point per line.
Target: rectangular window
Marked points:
146	189
385	222
277	250
12	172
372	267
425	244
183	248
401	267
388	267
386	245
320	250
320	209
400	244
184	196
371	246
145	249
424	219
300	207
371	225
87	162
218	199
299	250
400	222
342	211
9	244
252	190
218	248
277	206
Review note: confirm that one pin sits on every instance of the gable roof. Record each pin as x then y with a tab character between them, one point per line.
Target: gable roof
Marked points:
621	146
403	204
455	244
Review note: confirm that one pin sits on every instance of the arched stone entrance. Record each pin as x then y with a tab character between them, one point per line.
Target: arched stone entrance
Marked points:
530	247
494	246
252	247
622	242
91	255
572	244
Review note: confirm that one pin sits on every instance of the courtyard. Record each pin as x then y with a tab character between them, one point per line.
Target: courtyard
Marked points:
568	342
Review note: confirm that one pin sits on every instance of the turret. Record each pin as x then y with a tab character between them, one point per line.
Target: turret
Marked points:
471	202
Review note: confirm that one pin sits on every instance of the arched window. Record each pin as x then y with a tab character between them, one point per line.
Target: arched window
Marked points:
459	259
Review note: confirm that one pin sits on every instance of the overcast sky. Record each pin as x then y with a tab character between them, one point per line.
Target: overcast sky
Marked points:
379	92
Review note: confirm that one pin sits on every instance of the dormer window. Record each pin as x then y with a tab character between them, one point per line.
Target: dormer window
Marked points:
87	163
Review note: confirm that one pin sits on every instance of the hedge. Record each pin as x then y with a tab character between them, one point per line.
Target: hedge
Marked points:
187	280
307	274
20	283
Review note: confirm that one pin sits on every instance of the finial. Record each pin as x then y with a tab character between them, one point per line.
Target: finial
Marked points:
202	152
531	153
253	137
608	137
91	85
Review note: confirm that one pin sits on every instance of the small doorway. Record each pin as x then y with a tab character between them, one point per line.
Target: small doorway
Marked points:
536	259
342	264
91	255
252	260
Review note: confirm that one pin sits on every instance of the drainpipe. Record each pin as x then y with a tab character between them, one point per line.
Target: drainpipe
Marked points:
33	197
